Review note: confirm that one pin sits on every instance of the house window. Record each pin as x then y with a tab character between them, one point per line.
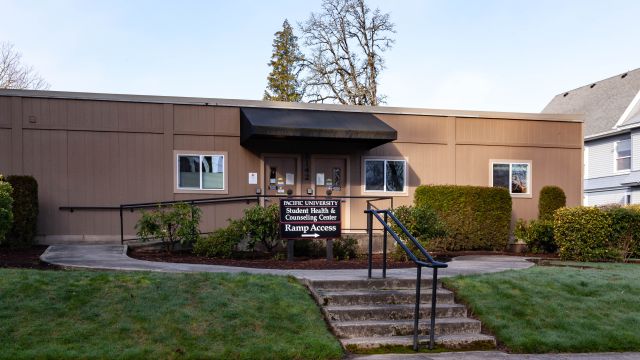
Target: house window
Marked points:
623	155
514	176
385	175
203	171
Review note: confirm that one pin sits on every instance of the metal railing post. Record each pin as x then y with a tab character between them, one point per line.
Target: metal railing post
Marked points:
433	309
121	226
416	316
384	249
370	232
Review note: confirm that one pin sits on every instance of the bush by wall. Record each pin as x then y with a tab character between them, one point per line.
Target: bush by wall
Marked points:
222	242
261	224
25	210
171	225
552	198
422	222
584	234
475	218
345	248
625	229
537	234
6	208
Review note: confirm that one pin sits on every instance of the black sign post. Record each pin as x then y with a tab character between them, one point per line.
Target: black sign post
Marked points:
309	219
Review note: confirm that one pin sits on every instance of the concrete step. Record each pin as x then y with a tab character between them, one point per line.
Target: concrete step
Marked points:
380	297
453	342
383	328
371	284
392	312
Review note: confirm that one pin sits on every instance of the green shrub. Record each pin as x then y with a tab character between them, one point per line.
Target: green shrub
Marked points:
537	234
625	229
475	218
6	205
220	243
262	225
173	224
552	198
345	248
25	210
584	234
310	248
422	222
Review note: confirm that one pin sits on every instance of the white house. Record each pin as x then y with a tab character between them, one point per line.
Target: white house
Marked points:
611	109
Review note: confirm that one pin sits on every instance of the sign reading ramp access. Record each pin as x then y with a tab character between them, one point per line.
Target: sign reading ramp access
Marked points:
309	219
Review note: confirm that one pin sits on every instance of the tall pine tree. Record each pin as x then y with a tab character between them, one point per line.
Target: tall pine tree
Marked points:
286	63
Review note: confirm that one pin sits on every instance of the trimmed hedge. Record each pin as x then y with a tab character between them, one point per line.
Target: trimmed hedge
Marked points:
552	198
6	205
25	210
610	233
475	217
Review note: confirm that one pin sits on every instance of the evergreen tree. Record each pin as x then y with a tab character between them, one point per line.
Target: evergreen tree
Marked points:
286	63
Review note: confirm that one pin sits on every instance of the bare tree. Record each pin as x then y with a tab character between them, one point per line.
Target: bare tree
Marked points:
346	41
16	75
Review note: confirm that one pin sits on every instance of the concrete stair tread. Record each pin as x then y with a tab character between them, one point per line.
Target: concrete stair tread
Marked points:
449	341
439	291
423	305
372	284
423	322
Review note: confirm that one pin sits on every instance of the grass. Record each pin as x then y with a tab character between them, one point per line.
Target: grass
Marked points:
558	309
80	314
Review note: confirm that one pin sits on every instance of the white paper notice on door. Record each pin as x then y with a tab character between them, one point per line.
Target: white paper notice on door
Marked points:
320	179
289	179
253	178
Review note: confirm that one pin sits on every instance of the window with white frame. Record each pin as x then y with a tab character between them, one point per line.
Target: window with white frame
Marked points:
204	171
385	175
514	176
623	155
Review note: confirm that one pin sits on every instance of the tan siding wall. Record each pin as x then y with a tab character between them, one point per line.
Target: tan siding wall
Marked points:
5	112
518	132
97	153
45	158
91	115
5	151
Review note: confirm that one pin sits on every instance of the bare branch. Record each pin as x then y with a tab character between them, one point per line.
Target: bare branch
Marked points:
345	42
14	74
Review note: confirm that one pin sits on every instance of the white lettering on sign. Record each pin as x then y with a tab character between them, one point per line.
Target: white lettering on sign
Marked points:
289	227
309	218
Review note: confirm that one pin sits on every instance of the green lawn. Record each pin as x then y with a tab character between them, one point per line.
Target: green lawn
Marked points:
558	309
80	314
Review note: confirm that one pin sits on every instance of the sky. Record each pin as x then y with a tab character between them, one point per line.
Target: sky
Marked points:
496	55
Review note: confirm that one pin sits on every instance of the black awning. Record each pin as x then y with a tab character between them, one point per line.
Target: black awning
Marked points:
285	130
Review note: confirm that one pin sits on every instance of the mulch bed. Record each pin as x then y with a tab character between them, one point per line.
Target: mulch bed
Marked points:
28	258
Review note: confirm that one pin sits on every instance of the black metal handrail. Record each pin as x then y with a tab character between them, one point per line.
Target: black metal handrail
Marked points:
216	200
427	262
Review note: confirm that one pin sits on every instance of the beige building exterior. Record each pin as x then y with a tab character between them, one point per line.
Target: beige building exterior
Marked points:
102	150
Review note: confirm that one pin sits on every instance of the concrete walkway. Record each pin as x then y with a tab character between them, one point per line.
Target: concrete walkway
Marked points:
114	257
498	355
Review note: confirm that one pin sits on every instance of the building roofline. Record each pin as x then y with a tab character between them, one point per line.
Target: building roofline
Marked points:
178	100
595	82
605	134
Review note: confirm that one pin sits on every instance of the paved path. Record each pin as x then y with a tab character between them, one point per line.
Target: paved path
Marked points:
114	257
498	355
